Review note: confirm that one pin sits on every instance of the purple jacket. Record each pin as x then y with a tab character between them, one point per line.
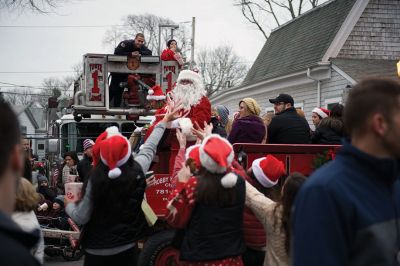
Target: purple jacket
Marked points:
249	129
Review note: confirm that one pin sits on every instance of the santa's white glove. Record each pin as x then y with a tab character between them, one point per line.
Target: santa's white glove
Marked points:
185	124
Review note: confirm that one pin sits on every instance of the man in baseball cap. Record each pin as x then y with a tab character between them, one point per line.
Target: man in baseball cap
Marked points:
282	102
287	127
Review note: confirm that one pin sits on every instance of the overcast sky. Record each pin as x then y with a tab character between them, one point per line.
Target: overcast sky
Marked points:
58	49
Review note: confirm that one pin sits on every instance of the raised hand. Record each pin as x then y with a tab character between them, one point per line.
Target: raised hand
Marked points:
173	113
202	133
181	138
151	181
184	174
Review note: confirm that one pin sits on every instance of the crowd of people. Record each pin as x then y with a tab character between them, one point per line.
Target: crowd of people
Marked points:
345	213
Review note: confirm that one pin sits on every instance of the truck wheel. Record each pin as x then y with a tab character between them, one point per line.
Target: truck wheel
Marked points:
157	250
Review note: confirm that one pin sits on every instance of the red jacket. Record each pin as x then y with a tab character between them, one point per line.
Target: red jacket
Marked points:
254	234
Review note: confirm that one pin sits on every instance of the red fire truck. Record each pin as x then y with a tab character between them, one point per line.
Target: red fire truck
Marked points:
91	97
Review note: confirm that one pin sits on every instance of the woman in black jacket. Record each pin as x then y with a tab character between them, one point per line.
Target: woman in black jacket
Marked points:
330	130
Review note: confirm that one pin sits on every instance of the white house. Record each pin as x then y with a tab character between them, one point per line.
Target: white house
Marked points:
31	122
318	56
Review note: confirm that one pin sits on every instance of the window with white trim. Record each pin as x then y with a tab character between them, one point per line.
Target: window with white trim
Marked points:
269	110
299	106
329	103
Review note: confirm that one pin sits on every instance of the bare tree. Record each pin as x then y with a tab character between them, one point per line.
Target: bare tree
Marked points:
78	70
148	24
10	97
268	14
24	97
220	68
39	6
18	96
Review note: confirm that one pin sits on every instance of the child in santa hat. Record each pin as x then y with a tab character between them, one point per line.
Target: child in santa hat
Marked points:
209	206
275	216
111	205
318	114
264	175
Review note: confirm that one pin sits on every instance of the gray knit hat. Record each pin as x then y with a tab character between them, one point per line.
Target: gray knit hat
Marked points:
41	178
223	113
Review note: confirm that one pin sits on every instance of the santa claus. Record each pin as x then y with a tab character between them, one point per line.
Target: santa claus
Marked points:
191	94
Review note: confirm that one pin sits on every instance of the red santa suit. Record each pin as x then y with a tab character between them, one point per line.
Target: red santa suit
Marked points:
196	106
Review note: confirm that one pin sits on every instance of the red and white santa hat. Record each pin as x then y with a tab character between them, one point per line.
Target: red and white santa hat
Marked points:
189	75
114	150
216	155
156	93
322	112
193	152
267	170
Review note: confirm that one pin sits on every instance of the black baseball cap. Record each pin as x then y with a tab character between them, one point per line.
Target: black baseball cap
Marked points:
282	98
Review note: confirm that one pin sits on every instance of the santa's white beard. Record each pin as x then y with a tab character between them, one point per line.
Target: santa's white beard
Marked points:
189	94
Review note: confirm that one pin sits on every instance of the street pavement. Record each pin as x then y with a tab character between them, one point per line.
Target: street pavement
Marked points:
59	261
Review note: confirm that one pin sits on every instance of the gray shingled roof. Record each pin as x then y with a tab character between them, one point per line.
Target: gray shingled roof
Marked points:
359	69
300	43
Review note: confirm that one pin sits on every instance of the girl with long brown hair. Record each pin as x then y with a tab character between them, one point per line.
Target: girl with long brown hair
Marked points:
275	216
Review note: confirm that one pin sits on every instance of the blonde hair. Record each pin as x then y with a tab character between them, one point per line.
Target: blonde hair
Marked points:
27	198
300	112
267	118
228	126
252	106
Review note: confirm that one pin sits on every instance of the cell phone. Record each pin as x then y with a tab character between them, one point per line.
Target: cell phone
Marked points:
149	174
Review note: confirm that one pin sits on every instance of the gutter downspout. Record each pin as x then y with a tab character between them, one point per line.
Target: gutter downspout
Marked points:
318	86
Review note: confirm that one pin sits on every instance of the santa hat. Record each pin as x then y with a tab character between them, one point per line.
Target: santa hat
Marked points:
156	93
87	143
216	155
189	75
322	112
114	150
193	152
267	170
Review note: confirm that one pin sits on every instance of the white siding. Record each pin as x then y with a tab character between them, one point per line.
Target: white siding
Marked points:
25	122
334	87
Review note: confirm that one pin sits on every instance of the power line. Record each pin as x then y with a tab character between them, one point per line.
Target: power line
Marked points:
60	26
35	72
16	85
27	94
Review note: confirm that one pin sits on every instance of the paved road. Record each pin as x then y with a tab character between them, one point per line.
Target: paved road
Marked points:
59	261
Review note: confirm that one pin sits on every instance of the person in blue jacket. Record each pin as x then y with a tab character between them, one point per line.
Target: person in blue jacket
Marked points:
348	211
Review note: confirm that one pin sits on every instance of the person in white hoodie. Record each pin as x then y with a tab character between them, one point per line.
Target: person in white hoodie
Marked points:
26	201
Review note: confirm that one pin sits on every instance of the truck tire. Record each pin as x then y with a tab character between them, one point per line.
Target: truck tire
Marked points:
158	251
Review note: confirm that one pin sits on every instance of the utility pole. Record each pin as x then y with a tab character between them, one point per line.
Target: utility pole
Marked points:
192	42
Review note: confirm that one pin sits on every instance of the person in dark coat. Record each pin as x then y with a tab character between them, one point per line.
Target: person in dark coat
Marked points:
216	121
15	243
44	189
133	47
249	127
85	165
287	127
330	130
111	205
